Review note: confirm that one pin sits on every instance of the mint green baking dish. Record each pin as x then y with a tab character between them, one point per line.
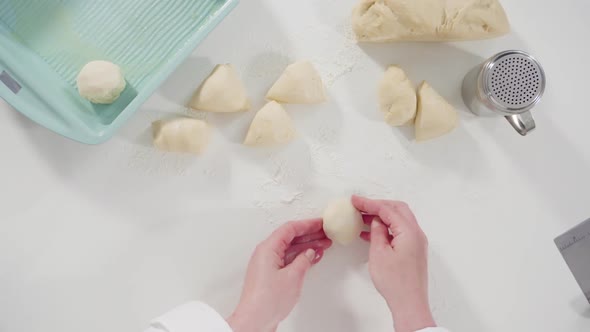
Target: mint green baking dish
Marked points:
45	43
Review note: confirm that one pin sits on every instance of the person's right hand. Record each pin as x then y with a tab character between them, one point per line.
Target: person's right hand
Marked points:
398	261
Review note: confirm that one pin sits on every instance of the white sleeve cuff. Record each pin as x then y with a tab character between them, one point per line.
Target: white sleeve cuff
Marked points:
190	317
434	329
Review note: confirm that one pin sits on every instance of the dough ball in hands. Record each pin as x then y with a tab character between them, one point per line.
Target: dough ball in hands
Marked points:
101	82
271	126
300	83
435	116
397	97
181	135
342	221
222	91
429	20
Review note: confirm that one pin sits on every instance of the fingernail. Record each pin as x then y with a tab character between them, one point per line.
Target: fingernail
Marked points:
375	223
310	254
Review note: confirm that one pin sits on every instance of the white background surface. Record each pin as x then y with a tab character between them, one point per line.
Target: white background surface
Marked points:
104	238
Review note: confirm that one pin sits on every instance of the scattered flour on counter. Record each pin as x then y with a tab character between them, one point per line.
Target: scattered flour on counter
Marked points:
201	115
209	172
292	197
295	208
149	160
333	50
268	209
280	171
326	134
326	162
268	65
379	189
290	167
141	156
281	195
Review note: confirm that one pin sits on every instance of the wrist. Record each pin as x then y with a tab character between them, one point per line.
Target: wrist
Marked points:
412	316
247	321
240	322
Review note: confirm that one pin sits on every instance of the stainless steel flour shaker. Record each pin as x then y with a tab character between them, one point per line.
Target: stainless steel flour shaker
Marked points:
508	84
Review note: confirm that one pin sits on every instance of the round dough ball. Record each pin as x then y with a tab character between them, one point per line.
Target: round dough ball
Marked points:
342	221
101	82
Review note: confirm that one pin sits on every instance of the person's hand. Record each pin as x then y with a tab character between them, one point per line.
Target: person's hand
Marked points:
398	261
275	275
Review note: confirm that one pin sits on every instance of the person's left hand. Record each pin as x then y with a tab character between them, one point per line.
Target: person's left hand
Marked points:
275	275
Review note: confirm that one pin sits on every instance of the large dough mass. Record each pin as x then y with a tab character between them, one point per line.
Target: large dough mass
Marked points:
342	221
429	20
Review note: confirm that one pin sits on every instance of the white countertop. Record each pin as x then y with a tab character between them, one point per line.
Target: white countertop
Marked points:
104	238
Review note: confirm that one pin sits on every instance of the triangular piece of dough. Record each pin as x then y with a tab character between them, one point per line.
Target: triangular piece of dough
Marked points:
271	126
435	116
181	135
397	97
429	20
300	83
222	91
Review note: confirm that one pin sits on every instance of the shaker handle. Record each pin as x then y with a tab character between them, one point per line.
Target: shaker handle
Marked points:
523	123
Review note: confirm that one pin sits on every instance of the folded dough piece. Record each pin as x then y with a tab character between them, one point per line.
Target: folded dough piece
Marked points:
271	126
181	135
222	91
343	223
300	83
429	20
397	97
435	116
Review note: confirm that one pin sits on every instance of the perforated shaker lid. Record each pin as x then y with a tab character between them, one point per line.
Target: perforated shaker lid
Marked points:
513	81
